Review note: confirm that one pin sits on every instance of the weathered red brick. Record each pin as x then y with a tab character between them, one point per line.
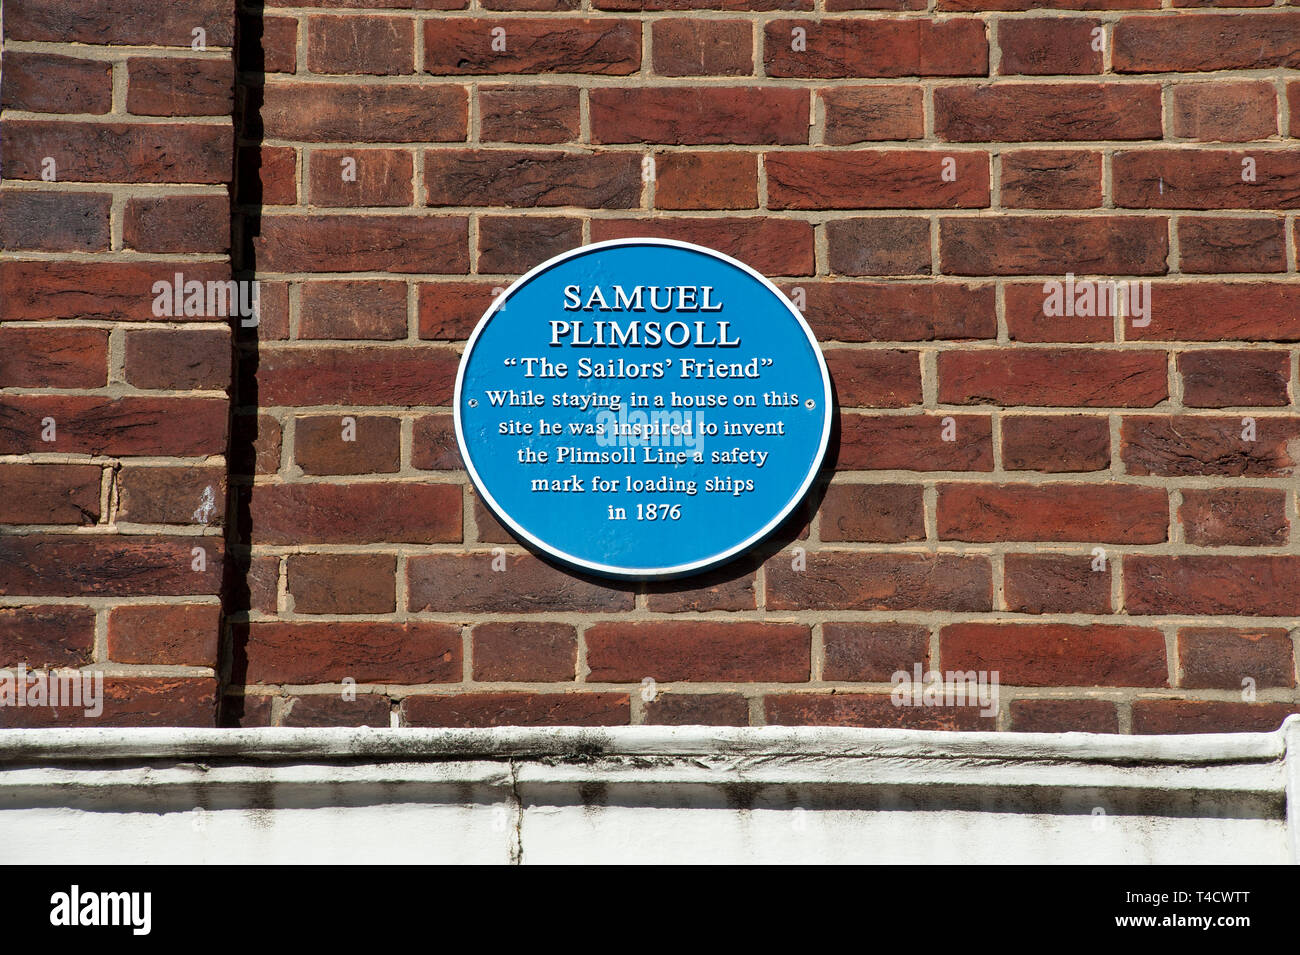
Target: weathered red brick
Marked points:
1206	179
61	565
1049	46
1204	716
1224	111
99	291
50	493
467	583
512	245
1222	658
1213	311
873	652
346	112
771	245
1057	654
362	513
54	221
1226	244
1055	443
697	709
1051	179
167	494
343	583
172	86
304	653
876	179
179	359
178	224
1055	583
698	180
1255	586
529	114
373	445
726	588
881	513
353	309
47	83
448	311
848	580
698	47
47	636
335	709
462	46
118	152
114	426
356	375
698	651
525	652
518	709
898	311
915	442
1173	445
699	115
875	46
1245	516
1034	112
378	46
53	357
1026	307
1226	378
880	245
383	177
363	243
1053	245
434	444
131	701
1112	513
1054	376
121	21
1190	43
1064	716
858	114
875	378
162	634
869	709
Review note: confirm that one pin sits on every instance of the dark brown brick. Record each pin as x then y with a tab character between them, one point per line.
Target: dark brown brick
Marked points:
525	652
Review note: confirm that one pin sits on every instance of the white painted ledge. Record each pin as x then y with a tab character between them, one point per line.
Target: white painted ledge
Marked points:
646	794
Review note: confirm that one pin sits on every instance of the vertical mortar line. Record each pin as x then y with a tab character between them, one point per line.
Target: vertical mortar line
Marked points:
1175	674
466	655
1124	716
991	29
295	309
99	653
282	605
817	654
105	495
581	668
401	588
997	561
117	355
412	312
118	77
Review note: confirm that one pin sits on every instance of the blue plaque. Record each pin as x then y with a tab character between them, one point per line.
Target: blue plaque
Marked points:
642	408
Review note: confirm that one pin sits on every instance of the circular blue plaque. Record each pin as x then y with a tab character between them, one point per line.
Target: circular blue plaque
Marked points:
642	407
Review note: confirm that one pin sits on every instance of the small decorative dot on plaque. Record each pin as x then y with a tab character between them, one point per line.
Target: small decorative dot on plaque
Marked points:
810	404
473	402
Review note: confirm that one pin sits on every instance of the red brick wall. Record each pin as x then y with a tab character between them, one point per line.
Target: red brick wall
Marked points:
911	176
117	152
